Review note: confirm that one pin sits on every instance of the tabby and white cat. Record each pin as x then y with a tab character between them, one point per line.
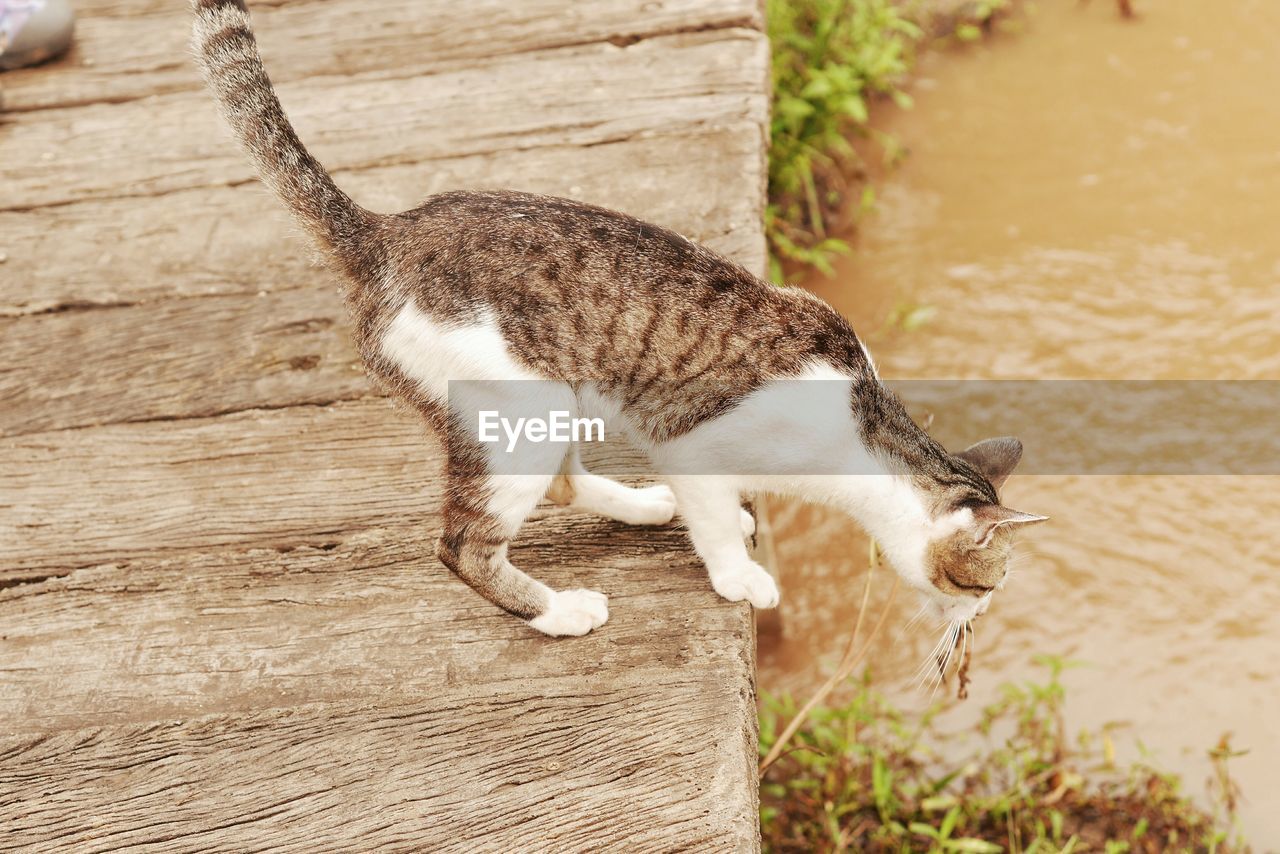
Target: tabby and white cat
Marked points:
686	350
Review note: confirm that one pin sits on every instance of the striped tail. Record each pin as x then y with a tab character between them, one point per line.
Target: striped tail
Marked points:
228	57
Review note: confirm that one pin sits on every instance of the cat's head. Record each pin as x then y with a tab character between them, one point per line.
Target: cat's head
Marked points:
969	543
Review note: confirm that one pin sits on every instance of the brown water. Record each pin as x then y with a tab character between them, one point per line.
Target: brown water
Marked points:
1088	198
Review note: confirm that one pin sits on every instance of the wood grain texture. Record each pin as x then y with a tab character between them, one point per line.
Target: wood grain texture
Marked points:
580	96
574	764
125	50
342	620
222	626
136	362
236	239
274	477
280	477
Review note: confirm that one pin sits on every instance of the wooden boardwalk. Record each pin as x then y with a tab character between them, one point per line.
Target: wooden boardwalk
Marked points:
221	622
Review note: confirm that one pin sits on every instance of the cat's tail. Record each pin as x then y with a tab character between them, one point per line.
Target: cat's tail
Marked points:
228	57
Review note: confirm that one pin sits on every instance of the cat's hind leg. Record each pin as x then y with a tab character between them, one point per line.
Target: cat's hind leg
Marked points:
579	488
482	514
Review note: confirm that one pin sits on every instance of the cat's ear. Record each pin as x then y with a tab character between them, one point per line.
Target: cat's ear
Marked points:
991	517
994	458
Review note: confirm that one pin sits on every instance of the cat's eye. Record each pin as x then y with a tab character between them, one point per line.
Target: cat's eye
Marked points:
975	589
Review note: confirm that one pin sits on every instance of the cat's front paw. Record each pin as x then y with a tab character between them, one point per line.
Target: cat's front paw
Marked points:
749	581
573	612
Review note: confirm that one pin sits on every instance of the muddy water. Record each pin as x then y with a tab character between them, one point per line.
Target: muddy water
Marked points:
1088	199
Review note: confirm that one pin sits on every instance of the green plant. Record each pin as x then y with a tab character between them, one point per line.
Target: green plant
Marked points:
830	58
864	776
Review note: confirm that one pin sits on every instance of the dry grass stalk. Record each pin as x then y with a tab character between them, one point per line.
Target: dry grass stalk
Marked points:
848	662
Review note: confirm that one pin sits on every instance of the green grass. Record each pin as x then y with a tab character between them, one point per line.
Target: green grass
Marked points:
832	60
867	777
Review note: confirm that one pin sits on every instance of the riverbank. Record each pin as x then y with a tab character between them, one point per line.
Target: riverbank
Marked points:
1073	206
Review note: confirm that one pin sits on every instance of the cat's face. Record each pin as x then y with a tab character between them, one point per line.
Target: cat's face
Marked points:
968	550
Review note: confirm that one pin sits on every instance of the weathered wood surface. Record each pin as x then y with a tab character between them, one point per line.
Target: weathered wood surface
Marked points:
391	38
299	623
221	623
589	95
121	251
576	765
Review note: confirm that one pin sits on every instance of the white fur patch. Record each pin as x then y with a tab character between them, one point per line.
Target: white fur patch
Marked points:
470	367
573	612
434	353
788	425
514	497
778	437
649	505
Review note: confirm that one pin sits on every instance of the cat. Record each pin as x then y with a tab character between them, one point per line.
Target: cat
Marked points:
691	353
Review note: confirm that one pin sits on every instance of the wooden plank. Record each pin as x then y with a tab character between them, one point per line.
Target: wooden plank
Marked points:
201	356
276	477
268	477
229	631
196	242
129	50
363	614
177	358
571	97
622	762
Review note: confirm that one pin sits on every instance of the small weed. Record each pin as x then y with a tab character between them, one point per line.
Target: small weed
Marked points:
864	776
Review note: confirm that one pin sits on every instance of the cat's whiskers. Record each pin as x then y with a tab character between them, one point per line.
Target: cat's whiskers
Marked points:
935	665
919	615
960	635
939	675
925	669
1016	561
957	628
